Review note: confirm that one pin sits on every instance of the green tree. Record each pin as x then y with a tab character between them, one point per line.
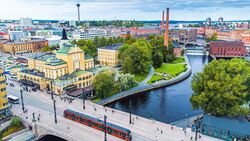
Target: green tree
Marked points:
136	58
157	59
213	37
15	122
126	81
103	84
222	88
47	49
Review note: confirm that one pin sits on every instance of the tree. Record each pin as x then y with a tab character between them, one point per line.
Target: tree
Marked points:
136	58
126	81
222	88
46	49
213	37
103	84
157	59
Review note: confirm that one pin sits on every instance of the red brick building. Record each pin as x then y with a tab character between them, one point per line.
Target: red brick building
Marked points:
246	39
227	49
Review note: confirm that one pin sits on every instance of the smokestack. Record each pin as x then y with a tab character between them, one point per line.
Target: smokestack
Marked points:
166	36
162	21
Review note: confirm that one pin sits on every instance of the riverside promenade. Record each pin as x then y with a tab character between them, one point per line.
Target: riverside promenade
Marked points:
143	87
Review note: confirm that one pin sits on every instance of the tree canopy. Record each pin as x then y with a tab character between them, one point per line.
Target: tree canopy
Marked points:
222	88
103	84
213	37
136	58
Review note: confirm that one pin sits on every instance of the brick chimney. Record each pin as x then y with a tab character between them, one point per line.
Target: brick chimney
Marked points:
162	22
166	35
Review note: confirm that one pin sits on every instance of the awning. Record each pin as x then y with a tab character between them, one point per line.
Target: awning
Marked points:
69	88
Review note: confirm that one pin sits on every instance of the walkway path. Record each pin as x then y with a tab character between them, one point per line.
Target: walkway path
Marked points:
151	73
143	87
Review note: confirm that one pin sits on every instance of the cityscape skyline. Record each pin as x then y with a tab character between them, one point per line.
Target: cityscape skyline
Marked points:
129	10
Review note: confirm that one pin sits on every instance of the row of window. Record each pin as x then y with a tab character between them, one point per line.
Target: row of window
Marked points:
3	90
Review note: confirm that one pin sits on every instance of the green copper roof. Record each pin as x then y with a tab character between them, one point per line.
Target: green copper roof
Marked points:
78	73
65	49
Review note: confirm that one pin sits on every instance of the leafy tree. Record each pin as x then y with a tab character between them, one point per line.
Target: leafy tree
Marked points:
46	49
222	88
15	122
103	84
136	58
126	81
212	38
157	59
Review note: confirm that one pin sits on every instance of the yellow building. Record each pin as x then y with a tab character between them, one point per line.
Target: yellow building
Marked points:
108	56
3	93
63	68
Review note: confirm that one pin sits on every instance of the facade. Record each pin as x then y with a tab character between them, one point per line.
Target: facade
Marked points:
108	56
3	93
224	128
4	36
16	35
26	21
186	35
67	68
24	47
141	31
246	39
227	49
90	34
208	21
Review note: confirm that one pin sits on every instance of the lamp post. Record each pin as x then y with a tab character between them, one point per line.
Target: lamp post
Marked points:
130	111
83	99
52	95
105	128
54	103
21	91
197	126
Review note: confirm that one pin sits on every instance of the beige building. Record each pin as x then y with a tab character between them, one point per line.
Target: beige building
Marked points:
67	67
24	47
108	56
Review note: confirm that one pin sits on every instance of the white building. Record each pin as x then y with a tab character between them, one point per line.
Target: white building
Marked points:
26	21
72	23
16	35
92	33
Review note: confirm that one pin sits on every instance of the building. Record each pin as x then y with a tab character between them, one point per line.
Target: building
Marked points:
24	46
186	35
108	56
246	39
16	35
177	49
90	34
3	94
44	33
72	23
66	70
220	20
4	36
225	128
26	21
141	31
227	49
208	21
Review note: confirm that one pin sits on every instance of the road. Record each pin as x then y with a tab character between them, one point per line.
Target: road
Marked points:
142	129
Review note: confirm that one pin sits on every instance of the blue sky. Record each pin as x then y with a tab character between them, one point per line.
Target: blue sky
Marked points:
125	9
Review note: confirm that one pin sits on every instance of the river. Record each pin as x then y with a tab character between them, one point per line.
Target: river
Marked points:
167	104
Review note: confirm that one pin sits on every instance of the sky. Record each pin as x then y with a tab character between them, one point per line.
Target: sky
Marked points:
186	10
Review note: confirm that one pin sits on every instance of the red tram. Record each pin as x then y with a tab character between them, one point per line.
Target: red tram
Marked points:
98	124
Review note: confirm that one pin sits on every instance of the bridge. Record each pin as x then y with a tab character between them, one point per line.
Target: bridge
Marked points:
142	129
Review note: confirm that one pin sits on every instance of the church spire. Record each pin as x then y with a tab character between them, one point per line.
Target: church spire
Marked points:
64	35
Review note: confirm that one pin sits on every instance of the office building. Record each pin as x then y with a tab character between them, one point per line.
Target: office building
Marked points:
108	56
3	93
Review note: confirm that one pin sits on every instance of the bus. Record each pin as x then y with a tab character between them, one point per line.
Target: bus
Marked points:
13	99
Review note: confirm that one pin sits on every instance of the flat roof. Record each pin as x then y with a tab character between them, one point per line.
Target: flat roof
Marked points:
112	47
235	125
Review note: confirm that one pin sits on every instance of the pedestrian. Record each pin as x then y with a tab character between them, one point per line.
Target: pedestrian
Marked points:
191	138
38	118
161	131
172	127
199	136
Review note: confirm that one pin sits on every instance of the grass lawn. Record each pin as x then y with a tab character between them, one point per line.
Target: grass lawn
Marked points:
178	60
173	69
140	77
155	78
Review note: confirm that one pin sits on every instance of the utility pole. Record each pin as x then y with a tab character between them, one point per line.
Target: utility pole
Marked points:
83	99
54	103
197	128
105	128
21	91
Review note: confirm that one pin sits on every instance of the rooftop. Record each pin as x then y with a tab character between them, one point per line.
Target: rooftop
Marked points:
65	49
112	47
24	42
238	126
43	56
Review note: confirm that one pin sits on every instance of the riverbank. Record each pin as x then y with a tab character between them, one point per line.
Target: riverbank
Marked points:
144	87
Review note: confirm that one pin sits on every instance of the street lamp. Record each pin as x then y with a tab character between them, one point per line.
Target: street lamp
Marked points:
83	100
54	103
197	126
105	128
52	95
21	91
130	111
